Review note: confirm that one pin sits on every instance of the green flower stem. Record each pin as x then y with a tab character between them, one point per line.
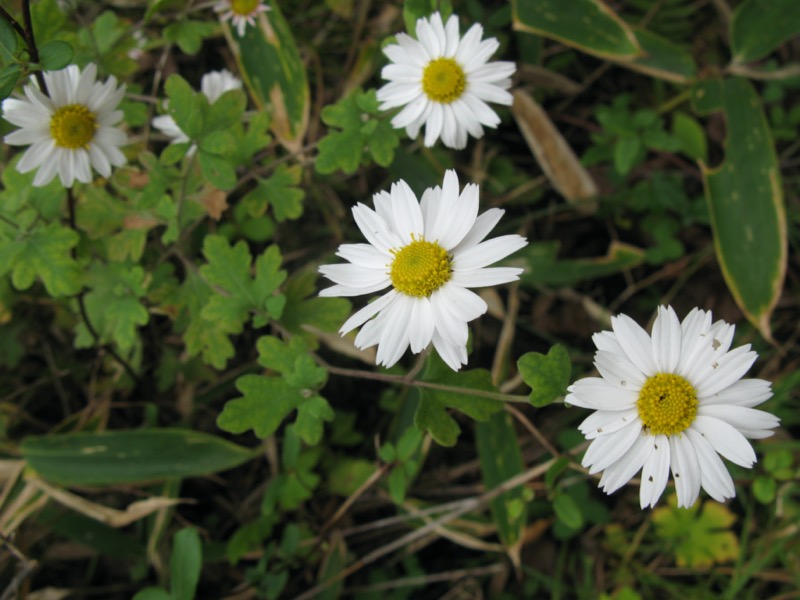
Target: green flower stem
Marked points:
404	380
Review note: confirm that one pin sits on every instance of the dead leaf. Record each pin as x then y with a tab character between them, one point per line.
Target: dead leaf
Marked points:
555	156
139	222
215	203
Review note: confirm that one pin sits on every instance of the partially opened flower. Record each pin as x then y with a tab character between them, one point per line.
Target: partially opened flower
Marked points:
240	13
71	129
213	85
443	81
672	401
428	252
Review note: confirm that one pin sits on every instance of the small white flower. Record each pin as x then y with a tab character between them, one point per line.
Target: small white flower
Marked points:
71	130
213	85
429	252
240	13
444	82
671	402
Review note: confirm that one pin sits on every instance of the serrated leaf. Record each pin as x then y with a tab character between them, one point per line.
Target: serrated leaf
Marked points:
326	314
745	202
45	255
134	456
281	192
310	417
344	148
700	538
547	375
185	106
55	55
292	360
189	35
432	415
757	27
217	170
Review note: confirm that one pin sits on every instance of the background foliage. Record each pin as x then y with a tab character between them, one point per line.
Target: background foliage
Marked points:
180	418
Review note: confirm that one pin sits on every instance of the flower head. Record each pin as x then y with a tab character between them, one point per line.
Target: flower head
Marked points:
240	12
213	85
444	82
429	252
70	130
672	401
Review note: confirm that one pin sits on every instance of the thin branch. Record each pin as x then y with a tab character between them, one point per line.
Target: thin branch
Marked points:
30	40
13	22
26	567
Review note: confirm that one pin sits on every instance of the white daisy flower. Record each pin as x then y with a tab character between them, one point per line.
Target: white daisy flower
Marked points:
71	130
240	13
213	85
429	252
444	82
671	402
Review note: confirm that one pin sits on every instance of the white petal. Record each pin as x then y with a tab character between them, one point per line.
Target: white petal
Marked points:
421	325
486	277
603	422
488	252
599	394
364	255
608	449
745	392
453	330
728	370
481	54
666	340
441	204
463	214
462	303
469	43
655	472
365	314
344	290
726	440
635	343
480	229
685	470
433	127
619	370
606	340
483	113
355	276
452	36
394	338
740	417
407	217
618	474
375	229
453	356
715	478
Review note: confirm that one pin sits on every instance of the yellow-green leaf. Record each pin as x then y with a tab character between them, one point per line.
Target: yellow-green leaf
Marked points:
273	72
745	202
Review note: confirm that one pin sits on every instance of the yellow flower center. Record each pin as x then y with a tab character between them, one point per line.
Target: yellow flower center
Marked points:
420	268
73	126
443	80
667	404
244	7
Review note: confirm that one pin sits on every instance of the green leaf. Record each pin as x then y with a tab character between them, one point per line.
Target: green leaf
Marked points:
280	191
765	489
708	96
273	72
691	135
152	593
217	170
588	25
362	130
432	413
348	474
745	202
134	456
501	459
628	152
699	538
185	106
266	401
546	375
568	511
185	564
46	255
759	26
325	314
203	336
546	269
55	55
661	58
9	75
113	305
189	35
222	143
8	37
292	360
